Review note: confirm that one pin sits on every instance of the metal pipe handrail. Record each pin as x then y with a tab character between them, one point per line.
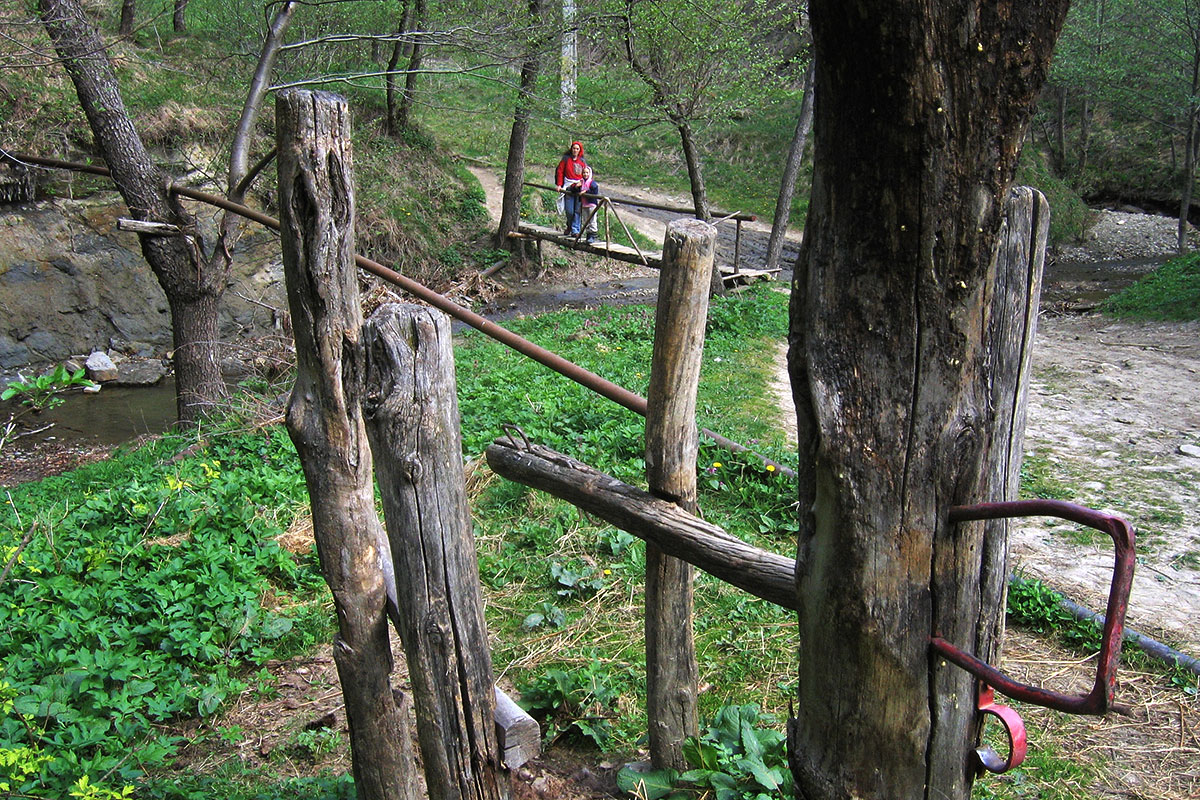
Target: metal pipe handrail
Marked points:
738	216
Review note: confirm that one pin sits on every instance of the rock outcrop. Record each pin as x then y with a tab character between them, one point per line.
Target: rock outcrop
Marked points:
71	283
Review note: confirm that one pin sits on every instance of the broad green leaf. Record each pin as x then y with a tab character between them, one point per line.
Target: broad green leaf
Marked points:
651	785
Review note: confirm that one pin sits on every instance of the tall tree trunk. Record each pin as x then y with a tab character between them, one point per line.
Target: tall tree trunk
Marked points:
903	409
791	169
1189	155
1189	182
410	80
1085	135
695	168
128	12
389	80
178	20
568	64
402	47
192	291
514	168
243	137
1060	138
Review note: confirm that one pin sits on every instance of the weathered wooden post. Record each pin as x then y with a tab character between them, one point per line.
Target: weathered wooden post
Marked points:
316	200
979	550
411	413
672	443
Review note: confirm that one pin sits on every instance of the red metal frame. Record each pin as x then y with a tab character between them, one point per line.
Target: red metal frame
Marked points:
1100	698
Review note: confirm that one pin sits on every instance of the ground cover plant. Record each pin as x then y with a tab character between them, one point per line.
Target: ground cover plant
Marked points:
1172	292
139	590
150	588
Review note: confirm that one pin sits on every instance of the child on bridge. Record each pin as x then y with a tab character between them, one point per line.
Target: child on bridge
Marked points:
590	215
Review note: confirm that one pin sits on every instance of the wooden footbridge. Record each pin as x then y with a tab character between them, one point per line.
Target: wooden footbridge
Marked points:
607	209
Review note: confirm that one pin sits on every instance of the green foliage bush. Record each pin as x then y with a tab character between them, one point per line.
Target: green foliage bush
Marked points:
733	759
578	703
1172	292
43	391
1069	215
1034	605
139	599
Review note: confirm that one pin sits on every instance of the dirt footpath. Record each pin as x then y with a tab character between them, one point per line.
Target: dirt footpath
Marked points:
1113	424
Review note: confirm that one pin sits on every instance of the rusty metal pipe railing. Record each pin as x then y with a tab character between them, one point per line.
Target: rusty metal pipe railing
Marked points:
740	217
568	369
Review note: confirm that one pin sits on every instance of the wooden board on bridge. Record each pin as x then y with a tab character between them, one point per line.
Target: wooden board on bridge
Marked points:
649	258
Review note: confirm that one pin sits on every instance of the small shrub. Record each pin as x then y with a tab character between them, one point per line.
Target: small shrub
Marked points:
733	759
1172	292
42	392
1034	605
576	581
579	703
548	614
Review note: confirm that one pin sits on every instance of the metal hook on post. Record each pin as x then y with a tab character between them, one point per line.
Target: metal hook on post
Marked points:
1014	727
1100	698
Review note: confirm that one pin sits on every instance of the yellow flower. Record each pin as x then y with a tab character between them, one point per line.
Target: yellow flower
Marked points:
770	467
717	465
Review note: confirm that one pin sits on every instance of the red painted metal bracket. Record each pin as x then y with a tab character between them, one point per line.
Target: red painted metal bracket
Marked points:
1098	700
1014	727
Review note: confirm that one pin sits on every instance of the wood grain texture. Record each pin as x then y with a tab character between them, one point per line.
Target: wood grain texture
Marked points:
665	525
316	193
411	413
921	109
672	442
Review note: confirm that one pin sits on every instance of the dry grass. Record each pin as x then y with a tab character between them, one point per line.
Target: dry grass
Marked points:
175	122
1151	751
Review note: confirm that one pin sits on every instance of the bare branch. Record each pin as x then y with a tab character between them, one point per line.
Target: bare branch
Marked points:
352	78
240	149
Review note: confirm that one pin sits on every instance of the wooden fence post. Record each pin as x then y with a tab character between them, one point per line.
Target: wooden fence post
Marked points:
672	442
411	413
316	200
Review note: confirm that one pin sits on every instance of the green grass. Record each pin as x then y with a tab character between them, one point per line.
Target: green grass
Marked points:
1042	478
231	782
153	588
528	540
1172	292
1045	774
1036	607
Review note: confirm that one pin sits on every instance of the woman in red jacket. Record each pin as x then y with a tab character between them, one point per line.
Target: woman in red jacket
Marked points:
568	178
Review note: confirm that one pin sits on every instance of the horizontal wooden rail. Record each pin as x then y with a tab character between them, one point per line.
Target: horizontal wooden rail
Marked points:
660	522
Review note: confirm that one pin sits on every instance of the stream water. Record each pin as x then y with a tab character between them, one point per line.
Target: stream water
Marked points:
113	415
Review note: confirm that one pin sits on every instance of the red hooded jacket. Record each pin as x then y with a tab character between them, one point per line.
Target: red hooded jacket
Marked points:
570	169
